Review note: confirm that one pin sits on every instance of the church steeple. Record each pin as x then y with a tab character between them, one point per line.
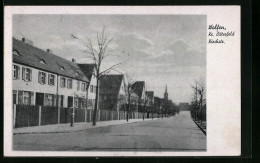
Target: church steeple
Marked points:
166	93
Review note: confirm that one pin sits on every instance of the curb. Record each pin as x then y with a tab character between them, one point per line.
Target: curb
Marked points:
71	131
204	132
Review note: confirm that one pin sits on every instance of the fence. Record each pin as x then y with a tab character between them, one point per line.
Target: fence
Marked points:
25	116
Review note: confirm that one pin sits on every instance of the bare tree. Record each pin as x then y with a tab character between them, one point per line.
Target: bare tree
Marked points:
130	91
199	90
97	54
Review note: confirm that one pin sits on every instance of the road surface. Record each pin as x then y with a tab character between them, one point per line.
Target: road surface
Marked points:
178	133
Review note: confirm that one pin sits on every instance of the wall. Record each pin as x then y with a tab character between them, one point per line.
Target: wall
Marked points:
35	86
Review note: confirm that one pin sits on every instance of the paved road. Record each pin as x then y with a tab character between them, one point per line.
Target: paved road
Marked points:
177	133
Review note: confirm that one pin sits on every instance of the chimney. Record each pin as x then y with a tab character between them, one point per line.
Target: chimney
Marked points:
73	60
25	40
49	50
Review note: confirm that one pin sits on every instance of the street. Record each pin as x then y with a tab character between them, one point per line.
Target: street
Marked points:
178	133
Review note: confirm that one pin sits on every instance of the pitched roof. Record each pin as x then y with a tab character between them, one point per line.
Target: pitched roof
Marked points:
110	84
87	69
138	87
150	94
35	57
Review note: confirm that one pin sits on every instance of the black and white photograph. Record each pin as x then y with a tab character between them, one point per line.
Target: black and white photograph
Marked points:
113	82
109	82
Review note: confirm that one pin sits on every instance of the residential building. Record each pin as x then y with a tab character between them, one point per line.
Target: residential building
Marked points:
139	89
45	79
150	96
90	72
112	92
184	106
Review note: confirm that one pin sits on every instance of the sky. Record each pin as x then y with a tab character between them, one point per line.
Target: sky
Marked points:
158	49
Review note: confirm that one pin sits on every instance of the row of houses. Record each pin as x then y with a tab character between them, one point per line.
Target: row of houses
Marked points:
42	78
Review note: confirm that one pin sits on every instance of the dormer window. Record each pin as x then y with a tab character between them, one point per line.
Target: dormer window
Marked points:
62	68
15	52
42	62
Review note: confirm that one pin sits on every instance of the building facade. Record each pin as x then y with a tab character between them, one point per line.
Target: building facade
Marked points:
140	89
112	92
90	72
44	79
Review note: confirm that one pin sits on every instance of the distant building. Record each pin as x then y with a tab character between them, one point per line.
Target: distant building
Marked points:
150	96
166	94
139	89
184	106
44	79
89	72
112	92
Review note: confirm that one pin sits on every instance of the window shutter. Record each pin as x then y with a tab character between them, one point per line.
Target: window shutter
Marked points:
39	77
49	76
23	73
31	98
54	100
18	72
44	75
30	75
20	97
46	99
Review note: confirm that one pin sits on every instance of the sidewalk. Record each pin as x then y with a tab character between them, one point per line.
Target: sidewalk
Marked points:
65	128
202	126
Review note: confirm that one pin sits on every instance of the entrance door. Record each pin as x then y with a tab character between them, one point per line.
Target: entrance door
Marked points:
14	98
70	101
39	99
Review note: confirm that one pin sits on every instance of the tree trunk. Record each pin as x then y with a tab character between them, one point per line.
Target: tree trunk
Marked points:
96	101
127	112
143	112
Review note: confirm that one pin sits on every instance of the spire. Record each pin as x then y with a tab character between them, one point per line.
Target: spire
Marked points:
166	94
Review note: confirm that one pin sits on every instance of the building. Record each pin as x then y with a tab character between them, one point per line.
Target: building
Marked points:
90	72
166	94
158	102
44	79
184	106
150	97
139	89
112	92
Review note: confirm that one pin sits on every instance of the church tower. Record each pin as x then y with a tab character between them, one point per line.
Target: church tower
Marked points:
166	94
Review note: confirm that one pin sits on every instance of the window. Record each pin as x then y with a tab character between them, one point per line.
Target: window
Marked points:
16	72
61	101
70	83
91	88
83	87
42	77
81	102
62	68
50	100
95	88
26	98
51	79
105	97
78	85
15	52
63	82
27	74
42	62
76	102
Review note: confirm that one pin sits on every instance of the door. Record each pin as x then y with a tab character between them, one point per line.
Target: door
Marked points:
39	99
14	98
70	101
